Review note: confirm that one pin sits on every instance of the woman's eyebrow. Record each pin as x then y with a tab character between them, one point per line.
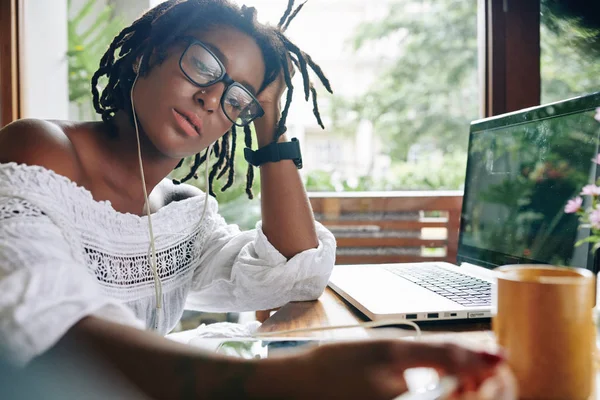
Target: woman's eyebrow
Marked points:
225	61
217	52
249	87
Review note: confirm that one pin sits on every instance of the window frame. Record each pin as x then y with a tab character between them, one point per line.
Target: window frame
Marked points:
10	93
510	51
509	54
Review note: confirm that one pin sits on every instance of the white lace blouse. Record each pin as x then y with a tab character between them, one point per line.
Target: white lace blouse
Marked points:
64	256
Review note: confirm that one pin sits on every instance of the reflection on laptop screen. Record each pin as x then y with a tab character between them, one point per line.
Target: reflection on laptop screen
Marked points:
522	170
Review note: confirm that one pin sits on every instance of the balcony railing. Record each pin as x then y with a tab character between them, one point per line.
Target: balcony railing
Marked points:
380	227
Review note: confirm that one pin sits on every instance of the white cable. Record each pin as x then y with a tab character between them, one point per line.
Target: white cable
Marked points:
440	390
206	183
152	246
205	201
371	324
153	266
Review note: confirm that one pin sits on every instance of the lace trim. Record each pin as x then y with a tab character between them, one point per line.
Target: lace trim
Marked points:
65	198
115	270
114	246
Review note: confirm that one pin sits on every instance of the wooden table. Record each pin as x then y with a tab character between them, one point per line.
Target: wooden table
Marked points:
330	309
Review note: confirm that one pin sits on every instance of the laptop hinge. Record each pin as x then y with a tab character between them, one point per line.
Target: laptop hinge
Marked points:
477	270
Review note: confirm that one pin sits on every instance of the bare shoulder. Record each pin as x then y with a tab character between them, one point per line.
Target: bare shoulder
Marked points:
39	142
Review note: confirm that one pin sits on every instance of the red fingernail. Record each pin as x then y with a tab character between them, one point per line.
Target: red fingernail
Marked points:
490	358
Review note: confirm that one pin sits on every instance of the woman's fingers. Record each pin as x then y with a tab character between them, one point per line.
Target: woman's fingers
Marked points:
450	358
471	368
375	369
501	386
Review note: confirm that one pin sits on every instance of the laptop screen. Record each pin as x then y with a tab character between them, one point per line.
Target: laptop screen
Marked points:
522	169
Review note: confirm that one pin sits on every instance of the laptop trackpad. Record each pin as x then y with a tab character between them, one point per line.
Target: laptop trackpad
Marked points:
382	292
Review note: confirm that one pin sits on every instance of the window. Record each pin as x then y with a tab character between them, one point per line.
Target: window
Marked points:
404	73
409	76
404	96
405	78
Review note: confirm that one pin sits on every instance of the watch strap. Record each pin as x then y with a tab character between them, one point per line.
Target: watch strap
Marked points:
274	152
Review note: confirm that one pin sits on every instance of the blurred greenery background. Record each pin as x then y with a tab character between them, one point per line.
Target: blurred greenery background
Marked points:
426	97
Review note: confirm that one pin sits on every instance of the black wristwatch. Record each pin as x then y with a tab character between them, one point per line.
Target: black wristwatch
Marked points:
275	152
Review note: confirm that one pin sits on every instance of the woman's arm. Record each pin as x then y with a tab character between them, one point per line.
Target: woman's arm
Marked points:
287	217
162	369
158	367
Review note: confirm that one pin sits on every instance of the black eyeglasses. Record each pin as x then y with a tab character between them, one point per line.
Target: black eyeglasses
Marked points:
203	69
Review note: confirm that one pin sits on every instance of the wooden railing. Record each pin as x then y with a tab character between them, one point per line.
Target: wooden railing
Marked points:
379	227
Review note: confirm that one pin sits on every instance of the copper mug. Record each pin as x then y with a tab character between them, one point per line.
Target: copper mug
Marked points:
543	319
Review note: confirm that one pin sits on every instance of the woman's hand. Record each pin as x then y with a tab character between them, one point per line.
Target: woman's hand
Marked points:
501	386
375	369
269	100
270	97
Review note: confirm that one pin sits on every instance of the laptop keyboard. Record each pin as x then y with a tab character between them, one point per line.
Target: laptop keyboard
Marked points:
465	290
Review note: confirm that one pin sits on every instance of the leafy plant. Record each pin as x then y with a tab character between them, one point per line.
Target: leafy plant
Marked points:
588	217
90	32
430	92
450	175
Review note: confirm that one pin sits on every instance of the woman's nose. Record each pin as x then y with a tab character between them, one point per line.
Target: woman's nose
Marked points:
210	97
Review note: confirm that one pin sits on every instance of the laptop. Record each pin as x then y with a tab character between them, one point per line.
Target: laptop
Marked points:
522	168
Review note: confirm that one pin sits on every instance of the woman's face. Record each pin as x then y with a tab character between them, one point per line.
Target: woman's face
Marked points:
165	99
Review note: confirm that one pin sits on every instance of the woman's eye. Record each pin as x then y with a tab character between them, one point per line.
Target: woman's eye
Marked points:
234	103
200	66
205	69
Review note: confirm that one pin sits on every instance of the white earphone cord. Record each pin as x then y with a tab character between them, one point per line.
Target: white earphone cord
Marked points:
152	247
370	324
157	282
152	257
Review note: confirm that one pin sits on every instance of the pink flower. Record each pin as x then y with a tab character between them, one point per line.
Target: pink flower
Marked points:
595	218
597	114
596	159
573	205
590	190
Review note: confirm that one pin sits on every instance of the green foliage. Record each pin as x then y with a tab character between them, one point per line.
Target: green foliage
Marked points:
430	93
578	21
445	172
566	71
320	181
90	32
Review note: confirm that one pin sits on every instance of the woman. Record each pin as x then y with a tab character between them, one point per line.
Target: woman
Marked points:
87	258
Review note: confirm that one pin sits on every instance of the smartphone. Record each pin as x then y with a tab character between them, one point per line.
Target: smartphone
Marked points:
265	348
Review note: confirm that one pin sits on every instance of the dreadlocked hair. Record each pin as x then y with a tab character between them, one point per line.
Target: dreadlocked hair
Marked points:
161	27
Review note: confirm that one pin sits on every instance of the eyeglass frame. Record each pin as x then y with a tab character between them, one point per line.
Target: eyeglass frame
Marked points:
225	78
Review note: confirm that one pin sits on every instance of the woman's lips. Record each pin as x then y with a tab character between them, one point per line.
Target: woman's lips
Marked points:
187	125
